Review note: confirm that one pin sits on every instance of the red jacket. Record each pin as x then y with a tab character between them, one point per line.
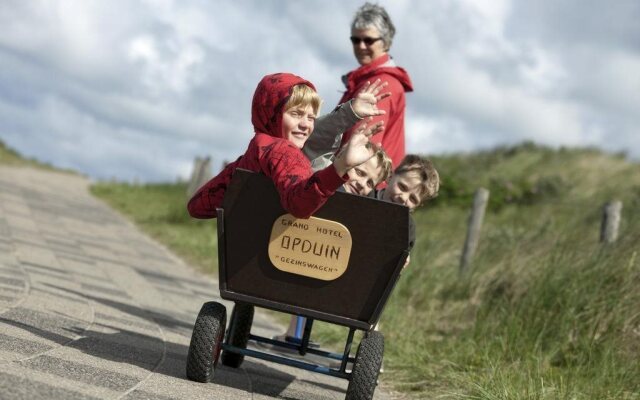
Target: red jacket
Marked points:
383	68
301	191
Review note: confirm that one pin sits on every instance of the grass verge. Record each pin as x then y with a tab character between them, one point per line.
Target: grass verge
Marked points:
546	312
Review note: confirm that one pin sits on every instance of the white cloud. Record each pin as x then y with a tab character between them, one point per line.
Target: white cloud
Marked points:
141	93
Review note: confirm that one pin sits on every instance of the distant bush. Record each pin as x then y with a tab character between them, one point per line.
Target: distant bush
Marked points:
525	191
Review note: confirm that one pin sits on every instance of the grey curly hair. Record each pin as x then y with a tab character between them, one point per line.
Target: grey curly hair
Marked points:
374	15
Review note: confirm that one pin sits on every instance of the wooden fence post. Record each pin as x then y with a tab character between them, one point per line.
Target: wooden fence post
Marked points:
473	230
197	163
201	173
610	221
206	173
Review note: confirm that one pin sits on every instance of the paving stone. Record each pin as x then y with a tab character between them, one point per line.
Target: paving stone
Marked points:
21	387
90	308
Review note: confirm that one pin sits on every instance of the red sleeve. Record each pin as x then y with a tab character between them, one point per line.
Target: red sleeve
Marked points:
392	139
390	105
204	202
301	191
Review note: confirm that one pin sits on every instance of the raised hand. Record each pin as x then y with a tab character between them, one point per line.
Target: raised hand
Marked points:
358	149
365	102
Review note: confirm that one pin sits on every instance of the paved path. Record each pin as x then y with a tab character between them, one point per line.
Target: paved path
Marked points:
92	308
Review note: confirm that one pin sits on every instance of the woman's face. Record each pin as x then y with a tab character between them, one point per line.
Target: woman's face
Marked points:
404	189
365	53
297	124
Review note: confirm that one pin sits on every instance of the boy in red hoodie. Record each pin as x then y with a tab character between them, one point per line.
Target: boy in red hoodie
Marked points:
283	113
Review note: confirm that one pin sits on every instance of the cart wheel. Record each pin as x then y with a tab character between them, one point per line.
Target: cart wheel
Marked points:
366	368
206	342
238	335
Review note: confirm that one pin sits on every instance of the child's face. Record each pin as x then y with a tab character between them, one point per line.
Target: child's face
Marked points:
404	188
297	124
363	178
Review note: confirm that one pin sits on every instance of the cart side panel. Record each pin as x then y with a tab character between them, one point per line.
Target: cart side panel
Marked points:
379	232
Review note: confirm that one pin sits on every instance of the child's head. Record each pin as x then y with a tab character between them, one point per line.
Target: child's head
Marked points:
277	94
366	176
303	95
300	114
414	181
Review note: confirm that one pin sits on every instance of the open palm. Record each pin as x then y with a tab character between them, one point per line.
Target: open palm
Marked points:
365	102
359	149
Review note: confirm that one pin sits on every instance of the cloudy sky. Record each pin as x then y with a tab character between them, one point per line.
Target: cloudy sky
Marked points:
134	90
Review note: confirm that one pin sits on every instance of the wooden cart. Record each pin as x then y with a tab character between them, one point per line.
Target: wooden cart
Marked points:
270	259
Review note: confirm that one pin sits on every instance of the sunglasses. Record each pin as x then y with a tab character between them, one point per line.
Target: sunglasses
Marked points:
367	40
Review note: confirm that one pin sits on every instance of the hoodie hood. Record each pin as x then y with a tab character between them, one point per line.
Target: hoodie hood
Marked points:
269	100
382	65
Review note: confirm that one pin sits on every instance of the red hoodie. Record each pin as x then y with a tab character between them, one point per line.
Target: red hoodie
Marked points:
383	68
301	191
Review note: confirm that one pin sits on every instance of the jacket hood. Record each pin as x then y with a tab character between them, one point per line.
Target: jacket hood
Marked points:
269	100
382	65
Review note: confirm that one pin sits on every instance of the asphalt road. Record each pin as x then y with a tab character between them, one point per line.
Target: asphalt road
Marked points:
91	308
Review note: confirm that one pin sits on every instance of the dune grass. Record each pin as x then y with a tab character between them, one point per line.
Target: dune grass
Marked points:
546	311
10	157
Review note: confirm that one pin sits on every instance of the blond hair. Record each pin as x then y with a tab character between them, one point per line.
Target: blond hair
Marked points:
303	96
384	162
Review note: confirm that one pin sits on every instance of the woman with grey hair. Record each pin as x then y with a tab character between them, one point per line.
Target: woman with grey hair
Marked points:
372	34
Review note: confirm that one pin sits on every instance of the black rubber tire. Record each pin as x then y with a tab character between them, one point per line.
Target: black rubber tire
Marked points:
206	342
364	376
238	335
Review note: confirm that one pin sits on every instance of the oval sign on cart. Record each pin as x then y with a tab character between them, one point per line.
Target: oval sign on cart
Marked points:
314	247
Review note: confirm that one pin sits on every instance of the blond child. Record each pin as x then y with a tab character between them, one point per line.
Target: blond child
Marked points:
284	110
